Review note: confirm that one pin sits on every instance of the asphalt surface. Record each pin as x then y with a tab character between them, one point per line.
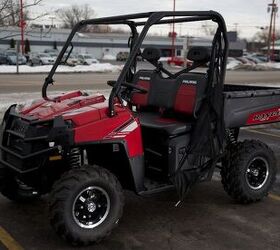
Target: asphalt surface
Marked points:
207	219
33	82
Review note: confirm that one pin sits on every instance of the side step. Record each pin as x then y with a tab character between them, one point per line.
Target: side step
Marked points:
157	190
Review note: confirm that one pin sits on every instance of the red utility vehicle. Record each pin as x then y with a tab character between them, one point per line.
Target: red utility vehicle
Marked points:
157	131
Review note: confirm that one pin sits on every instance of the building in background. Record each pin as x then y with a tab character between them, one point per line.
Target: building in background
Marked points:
102	44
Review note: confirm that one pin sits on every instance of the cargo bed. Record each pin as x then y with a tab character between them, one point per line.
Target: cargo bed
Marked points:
251	105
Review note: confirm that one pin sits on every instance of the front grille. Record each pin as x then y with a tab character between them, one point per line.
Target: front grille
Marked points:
24	141
17	145
19	126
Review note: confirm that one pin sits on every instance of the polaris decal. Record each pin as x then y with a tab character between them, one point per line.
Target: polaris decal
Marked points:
189	82
271	115
144	78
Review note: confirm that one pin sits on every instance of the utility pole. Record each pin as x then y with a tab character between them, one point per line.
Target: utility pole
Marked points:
22	25
272	30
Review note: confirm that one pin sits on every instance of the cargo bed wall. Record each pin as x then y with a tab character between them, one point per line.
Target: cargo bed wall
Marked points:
251	105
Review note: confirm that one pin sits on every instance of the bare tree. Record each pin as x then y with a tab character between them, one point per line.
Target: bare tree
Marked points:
10	12
209	28
74	14
10	15
262	36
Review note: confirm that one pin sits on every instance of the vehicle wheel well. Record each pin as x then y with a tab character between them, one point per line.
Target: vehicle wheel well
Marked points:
114	158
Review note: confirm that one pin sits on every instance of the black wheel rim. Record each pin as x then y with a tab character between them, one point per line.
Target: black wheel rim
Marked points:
91	207
257	173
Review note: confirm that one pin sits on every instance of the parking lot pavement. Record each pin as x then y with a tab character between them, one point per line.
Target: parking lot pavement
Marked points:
207	218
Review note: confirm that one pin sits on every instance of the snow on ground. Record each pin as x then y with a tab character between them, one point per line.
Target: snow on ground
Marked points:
6	100
236	65
98	67
270	65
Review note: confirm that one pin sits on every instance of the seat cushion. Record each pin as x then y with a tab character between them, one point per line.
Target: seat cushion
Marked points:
169	126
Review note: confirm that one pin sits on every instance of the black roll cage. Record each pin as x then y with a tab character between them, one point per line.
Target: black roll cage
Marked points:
137	40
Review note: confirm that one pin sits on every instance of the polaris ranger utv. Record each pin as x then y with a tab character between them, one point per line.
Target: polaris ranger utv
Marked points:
158	130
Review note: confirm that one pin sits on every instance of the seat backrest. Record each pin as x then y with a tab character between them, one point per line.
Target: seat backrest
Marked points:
190	93
182	95
143	79
162	92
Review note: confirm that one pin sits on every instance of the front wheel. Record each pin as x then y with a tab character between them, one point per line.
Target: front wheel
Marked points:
85	205
249	172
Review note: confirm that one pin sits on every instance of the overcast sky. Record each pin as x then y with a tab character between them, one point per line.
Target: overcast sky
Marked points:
249	14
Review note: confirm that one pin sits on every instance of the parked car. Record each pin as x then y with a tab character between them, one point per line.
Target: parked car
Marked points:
179	61
256	60
261	57
41	59
53	55
122	56
87	59
11	57
51	51
72	60
3	58
245	61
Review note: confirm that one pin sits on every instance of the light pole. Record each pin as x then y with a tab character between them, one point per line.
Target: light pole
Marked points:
22	25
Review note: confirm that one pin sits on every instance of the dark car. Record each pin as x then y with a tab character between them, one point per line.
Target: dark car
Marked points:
3	58
12	58
122	56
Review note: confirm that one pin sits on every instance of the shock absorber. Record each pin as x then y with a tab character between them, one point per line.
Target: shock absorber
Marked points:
74	158
232	135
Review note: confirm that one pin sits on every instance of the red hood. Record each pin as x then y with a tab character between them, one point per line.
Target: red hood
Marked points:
81	109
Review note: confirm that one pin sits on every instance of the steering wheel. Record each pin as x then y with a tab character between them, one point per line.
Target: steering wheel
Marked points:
139	89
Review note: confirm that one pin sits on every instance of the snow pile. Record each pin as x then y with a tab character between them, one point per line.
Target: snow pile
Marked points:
232	65
109	57
98	68
270	65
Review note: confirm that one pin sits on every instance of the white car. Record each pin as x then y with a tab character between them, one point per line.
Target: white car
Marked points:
87	59
41	59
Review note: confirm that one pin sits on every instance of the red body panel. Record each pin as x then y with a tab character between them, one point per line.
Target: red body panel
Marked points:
265	116
91	121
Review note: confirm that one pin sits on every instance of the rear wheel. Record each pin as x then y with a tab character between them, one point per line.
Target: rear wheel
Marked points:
85	205
250	171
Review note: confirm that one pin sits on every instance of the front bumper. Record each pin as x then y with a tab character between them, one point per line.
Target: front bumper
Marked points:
26	143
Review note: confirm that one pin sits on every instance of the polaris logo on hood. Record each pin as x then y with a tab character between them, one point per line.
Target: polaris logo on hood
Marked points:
190	82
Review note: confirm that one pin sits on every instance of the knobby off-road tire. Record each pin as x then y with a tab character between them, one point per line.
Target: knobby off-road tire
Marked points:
14	190
249	172
85	205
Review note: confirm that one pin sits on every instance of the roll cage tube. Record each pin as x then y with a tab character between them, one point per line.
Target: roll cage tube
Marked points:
152	18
